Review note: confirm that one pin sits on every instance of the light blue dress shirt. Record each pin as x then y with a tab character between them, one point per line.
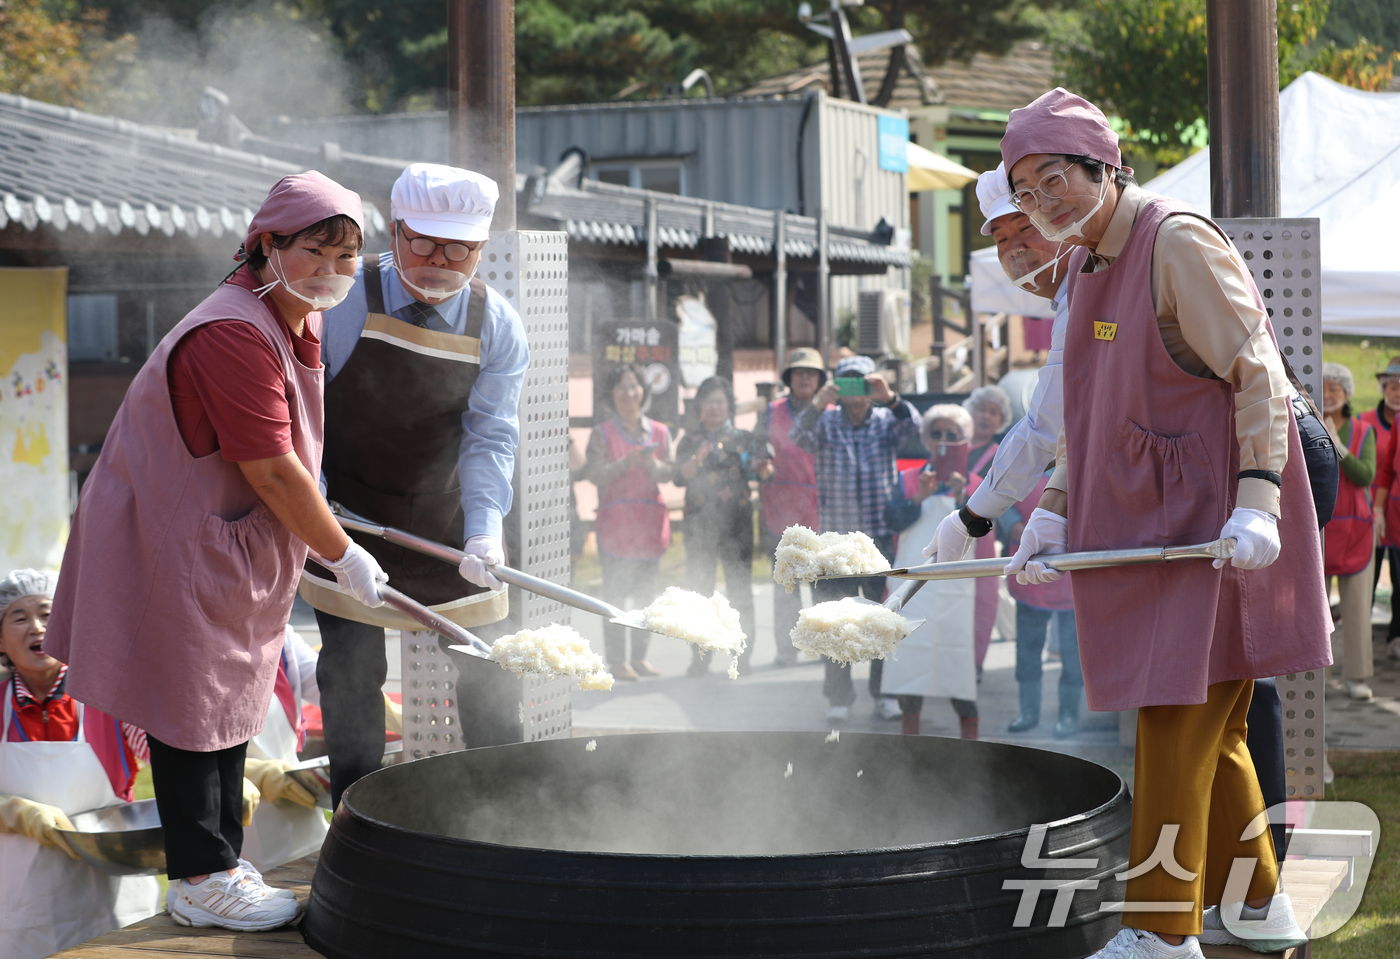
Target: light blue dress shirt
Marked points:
1031	444
491	425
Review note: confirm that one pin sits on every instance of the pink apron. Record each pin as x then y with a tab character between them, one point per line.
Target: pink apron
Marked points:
633	522
789	498
1348	546
1153	461
177	580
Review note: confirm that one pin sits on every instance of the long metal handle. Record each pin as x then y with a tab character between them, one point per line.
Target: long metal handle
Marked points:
543	587
896	600
436	622
976	568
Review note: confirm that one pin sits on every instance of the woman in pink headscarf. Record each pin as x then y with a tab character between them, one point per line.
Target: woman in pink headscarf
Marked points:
191	532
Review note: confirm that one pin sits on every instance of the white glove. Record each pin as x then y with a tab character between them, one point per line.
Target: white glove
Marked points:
359	574
950	542
1045	532
1255	533
482	552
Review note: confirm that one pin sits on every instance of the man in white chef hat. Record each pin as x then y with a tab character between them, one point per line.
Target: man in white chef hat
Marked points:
424	365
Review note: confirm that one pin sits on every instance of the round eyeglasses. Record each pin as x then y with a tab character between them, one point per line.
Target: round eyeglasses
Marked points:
455	252
952	436
1052	186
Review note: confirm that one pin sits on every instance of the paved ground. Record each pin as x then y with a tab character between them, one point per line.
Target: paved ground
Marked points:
791	699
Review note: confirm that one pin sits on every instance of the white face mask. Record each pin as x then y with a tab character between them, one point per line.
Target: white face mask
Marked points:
1028	281
432	284
1077	227
318	292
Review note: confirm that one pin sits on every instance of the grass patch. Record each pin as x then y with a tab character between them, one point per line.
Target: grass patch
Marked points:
1372	778
1365	356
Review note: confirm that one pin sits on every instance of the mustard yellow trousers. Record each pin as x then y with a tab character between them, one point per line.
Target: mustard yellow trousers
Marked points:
1193	770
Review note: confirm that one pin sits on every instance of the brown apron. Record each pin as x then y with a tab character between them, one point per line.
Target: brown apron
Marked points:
393	435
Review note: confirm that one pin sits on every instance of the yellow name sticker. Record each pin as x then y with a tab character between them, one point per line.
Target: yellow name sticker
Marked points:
1105	331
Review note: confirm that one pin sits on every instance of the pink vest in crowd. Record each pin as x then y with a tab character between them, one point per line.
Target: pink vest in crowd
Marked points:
1153	461
633	522
177	580
1383	448
789	498
1350	535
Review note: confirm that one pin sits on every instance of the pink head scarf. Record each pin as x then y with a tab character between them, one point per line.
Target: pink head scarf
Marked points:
1060	122
298	201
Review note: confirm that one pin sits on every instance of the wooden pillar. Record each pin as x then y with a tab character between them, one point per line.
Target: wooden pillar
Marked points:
481	95
1244	138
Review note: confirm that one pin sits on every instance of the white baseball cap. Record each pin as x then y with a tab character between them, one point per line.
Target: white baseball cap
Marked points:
993	196
444	201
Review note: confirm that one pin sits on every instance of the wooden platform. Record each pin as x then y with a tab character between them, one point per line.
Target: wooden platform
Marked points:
159	937
1310	883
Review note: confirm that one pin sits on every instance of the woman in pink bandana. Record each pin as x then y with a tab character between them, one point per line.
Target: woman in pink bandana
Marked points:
191	532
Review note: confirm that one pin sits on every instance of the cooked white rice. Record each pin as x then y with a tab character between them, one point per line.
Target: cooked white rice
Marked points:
592	745
804	556
552	651
849	631
710	624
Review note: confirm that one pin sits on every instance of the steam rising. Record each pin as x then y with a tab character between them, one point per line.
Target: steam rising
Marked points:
698	794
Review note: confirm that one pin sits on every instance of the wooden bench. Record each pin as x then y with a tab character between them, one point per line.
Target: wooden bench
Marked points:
159	937
1309	883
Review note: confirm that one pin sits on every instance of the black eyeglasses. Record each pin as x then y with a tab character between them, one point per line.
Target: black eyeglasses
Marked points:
952	436
426	246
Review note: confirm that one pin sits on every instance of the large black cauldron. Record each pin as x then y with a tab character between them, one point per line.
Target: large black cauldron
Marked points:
701	844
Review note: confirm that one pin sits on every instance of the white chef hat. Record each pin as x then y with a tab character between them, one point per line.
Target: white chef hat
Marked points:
444	201
994	196
26	582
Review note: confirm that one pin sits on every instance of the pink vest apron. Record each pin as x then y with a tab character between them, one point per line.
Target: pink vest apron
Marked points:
1057	595
1153	461
1348	544
789	498
177	580
102	732
1373	419
633	522
988	587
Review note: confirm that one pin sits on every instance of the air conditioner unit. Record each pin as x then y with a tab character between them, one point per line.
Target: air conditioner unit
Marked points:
882	322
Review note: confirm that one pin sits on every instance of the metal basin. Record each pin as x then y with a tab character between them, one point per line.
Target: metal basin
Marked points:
314	775
701	844
122	840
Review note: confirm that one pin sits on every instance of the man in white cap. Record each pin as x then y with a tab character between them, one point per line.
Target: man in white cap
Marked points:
424	365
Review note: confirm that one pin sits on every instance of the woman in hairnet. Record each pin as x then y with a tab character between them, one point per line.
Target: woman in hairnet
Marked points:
57	758
191	532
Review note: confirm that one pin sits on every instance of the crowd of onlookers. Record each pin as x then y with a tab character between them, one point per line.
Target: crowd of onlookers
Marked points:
826	458
830	462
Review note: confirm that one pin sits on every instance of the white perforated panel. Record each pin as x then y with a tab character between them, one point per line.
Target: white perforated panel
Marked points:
430	722
531	270
1283	256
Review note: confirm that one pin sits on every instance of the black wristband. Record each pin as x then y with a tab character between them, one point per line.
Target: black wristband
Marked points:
976	526
1270	475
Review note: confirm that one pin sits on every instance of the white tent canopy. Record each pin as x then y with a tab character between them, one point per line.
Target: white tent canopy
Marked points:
1340	163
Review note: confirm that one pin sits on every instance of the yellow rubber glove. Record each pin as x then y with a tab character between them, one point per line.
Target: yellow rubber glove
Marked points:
272	781
40	823
393	716
251	798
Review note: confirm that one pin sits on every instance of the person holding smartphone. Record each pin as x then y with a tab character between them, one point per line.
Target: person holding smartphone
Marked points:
628	455
855	447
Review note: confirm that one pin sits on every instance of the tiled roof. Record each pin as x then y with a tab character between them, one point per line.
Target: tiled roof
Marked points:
606	213
66	168
986	82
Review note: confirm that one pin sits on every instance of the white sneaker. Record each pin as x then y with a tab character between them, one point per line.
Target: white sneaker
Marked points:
251	871
1273	933
838	714
1140	944
888	708
1357	689
230	902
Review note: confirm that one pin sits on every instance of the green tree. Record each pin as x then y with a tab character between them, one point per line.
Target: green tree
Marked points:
1364	65
1145	60
55	53
1352	20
